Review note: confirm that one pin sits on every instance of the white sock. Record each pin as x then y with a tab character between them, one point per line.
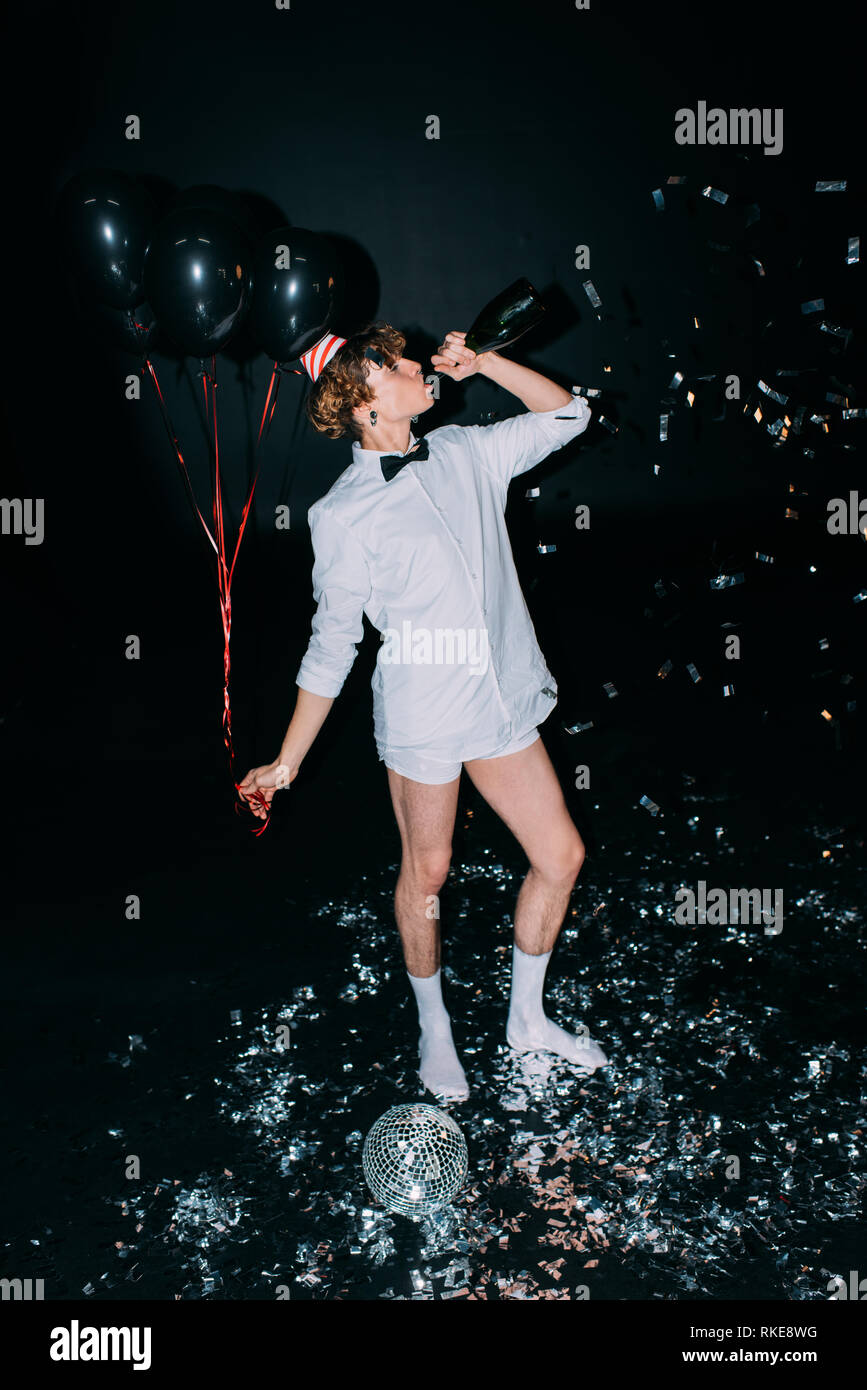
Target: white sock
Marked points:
440	1070
529	1030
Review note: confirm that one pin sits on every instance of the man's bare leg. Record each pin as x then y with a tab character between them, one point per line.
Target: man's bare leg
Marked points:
524	791
426	817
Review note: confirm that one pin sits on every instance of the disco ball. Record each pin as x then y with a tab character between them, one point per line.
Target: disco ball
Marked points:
415	1159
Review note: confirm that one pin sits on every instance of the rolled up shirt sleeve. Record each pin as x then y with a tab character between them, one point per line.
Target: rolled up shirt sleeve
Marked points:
513	446
341	588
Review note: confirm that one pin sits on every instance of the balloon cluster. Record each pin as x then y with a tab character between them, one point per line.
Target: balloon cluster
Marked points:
194	273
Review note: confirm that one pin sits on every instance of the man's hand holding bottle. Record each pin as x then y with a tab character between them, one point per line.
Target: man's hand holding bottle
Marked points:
456	361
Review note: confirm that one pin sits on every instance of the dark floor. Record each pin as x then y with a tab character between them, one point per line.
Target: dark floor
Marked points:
156	1037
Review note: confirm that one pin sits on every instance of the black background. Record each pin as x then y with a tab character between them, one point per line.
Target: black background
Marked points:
556	125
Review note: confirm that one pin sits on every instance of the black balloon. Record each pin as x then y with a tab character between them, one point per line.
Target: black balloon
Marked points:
198	278
105	219
132	330
298	290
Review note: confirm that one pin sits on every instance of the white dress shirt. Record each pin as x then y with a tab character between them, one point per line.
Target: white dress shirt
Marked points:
429	552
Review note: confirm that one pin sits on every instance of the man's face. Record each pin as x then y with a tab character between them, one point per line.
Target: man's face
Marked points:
400	391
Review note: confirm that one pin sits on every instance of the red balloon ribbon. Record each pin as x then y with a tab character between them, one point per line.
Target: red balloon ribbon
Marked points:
225	570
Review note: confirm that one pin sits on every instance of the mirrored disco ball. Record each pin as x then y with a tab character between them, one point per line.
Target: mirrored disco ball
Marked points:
415	1159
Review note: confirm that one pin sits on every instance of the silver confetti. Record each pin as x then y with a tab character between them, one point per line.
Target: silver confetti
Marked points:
835	330
774	395
575	1180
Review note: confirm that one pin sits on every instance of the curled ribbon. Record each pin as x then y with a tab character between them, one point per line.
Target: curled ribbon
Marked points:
225	570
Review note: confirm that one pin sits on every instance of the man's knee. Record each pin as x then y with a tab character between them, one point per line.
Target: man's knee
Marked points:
560	861
429	870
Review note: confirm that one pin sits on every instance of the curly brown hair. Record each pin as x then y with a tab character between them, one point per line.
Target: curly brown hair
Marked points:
342	383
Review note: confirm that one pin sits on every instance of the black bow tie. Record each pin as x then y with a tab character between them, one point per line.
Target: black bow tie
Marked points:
392	463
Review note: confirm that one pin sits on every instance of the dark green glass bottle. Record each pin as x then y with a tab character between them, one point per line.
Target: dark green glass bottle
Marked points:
506	318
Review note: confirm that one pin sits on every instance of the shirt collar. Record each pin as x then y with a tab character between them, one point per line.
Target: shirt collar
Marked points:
369	458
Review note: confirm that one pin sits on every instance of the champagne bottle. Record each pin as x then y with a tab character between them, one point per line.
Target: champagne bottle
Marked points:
509	315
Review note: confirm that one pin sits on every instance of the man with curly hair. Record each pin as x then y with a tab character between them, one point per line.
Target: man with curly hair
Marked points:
413	534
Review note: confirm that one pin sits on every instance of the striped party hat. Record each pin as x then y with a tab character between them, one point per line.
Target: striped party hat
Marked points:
321	354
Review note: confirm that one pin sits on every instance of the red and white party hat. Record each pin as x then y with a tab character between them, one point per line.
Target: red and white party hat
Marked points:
321	354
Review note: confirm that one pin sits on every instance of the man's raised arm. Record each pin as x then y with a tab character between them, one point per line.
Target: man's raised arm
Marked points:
535	391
